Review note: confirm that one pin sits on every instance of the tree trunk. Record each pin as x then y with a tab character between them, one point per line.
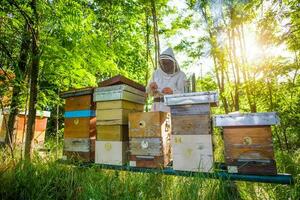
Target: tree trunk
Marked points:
20	74
33	82
155	33
213	44
252	106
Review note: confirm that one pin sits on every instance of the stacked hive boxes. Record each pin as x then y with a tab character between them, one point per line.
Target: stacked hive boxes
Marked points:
191	130
20	126
80	125
114	103
248	142
149	135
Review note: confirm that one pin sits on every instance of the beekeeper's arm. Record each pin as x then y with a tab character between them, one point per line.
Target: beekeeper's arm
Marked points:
150	83
181	82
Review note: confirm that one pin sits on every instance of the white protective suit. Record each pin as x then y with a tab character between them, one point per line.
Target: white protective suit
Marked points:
176	81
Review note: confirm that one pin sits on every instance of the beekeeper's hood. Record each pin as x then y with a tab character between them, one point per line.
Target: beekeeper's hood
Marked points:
168	63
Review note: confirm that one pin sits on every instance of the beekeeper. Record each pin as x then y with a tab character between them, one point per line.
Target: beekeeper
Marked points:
167	79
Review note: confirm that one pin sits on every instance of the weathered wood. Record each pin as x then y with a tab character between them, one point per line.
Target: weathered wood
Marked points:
250	148
119	92
39	131
113	116
190	109
111	152
79	103
79	156
261	167
259	135
192	152
246	119
112	133
80	127
77	144
192	98
248	143
119	79
149	161
77	92
119	104
191	125
149	146
149	124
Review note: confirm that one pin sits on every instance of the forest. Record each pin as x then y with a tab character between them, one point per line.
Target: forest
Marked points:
246	50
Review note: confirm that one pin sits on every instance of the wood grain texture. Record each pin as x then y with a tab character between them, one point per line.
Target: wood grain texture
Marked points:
77	92
191	125
77	144
119	79
112	133
200	109
248	143
113	116
149	124
250	149
149	161
192	152
119	104
80	103
248	152
268	167
80	127
259	135
111	152
149	146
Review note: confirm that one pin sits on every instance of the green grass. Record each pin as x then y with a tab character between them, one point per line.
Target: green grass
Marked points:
45	179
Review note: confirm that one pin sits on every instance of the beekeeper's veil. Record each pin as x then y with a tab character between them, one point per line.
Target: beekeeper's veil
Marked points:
168	63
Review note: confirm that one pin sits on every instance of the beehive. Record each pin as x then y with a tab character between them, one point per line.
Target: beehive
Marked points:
114	103
20	127
111	152
192	152
248	142
149	139
80	124
192	130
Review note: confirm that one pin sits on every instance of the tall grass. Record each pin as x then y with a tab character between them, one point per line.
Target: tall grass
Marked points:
45	178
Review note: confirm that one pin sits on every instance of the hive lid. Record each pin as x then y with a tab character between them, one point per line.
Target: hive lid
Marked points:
119	80
119	92
246	119
39	113
77	92
119	88
192	98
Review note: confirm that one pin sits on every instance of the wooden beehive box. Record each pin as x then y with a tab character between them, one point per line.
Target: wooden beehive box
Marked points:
192	130
149	139
114	103
120	80
20	127
192	153
191	112
80	124
79	148
248	142
111	152
112	133
149	124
